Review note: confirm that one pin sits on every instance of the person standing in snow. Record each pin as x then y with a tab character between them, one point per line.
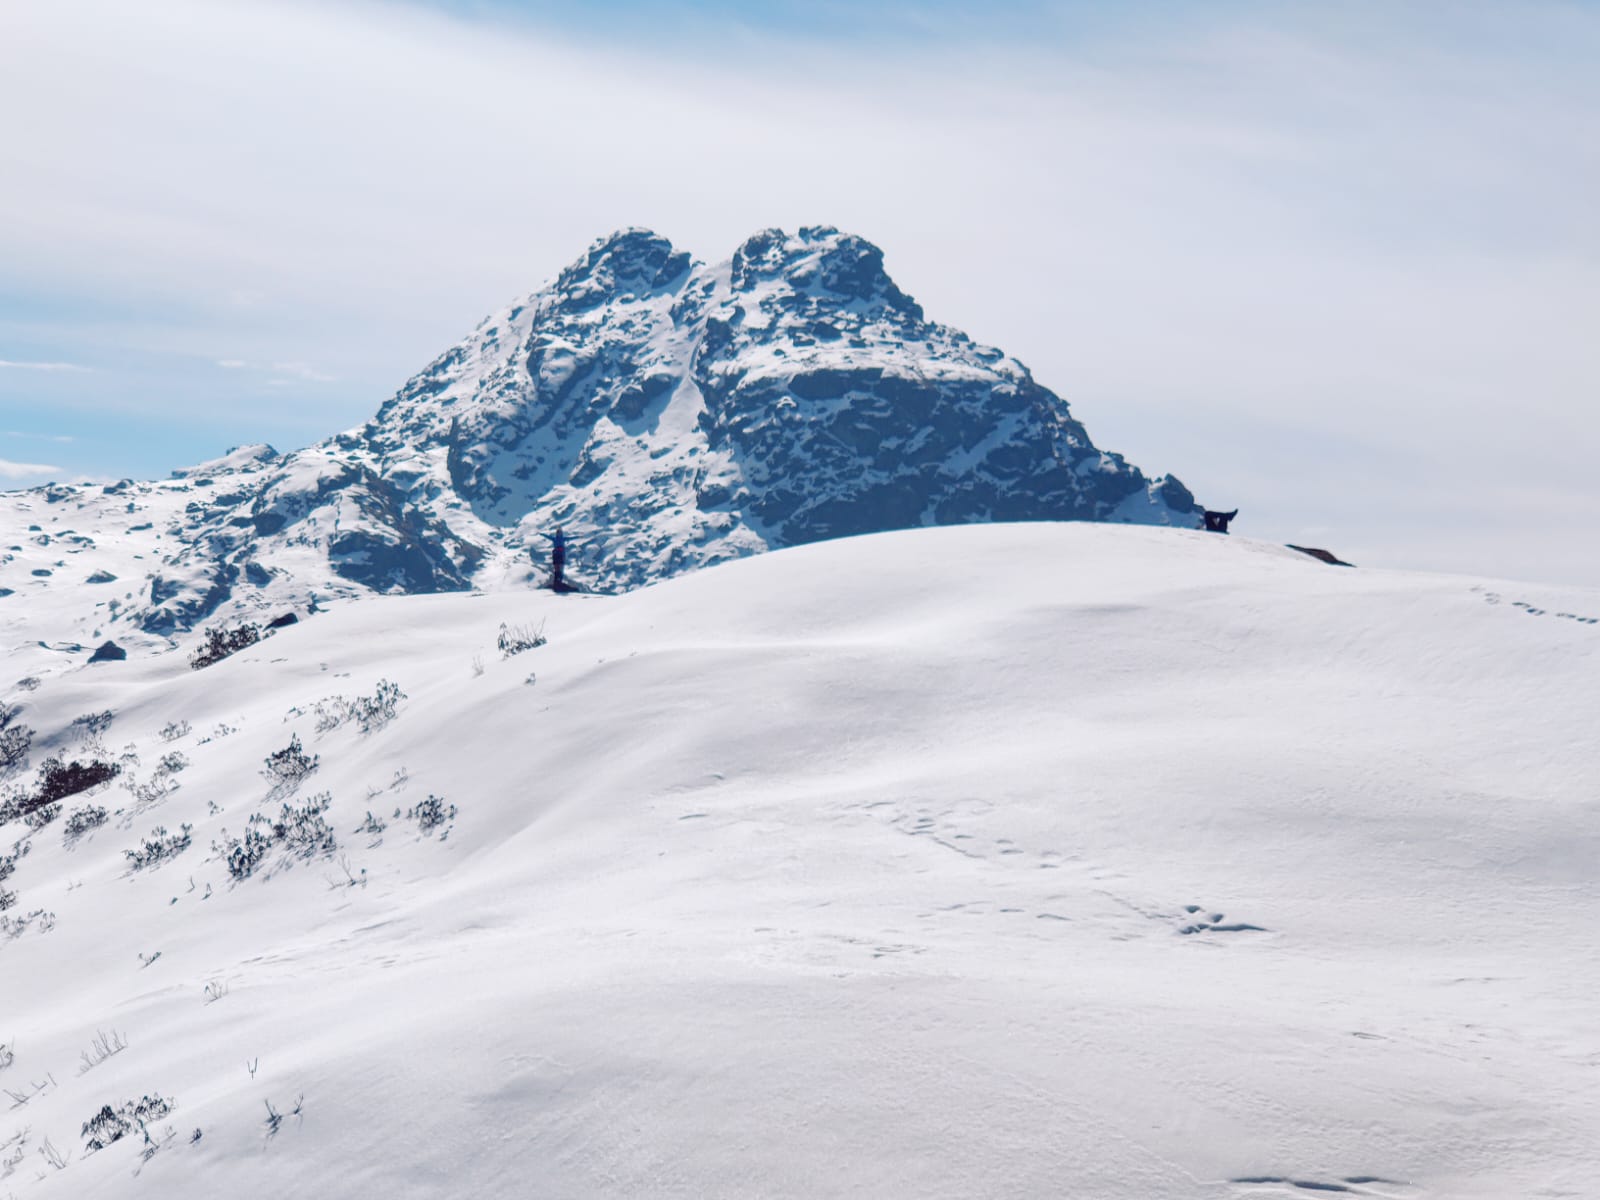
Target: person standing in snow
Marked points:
558	560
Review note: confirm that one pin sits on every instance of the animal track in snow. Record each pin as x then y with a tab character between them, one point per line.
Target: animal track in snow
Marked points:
951	827
1534	610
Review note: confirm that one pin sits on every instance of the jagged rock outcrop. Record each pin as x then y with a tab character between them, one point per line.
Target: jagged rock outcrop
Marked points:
667	413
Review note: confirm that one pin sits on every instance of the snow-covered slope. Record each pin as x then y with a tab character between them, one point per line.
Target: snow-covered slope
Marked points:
1008	860
669	414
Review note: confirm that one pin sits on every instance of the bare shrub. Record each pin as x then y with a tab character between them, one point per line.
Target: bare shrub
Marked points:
242	855
15	741
275	1118
172	762
220	643
158	847
82	820
90	726
39	920
174	730
54	1157
113	1124
301	831
431	813
104	1046
367	713
350	880
153	792
38	817
514	639
288	768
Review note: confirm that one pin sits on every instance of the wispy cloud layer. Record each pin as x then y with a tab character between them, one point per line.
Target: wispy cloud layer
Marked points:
284	372
8	364
21	470
39	437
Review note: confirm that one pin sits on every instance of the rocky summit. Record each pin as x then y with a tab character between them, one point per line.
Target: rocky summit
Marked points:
666	413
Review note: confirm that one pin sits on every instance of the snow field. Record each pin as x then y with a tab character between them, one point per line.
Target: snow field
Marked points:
864	868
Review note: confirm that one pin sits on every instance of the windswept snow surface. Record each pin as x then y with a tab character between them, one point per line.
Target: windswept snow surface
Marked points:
1006	860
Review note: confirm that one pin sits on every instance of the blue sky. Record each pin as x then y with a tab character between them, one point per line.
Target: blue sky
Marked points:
1337	264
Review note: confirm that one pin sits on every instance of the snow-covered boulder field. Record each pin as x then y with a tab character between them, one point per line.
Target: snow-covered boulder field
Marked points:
987	861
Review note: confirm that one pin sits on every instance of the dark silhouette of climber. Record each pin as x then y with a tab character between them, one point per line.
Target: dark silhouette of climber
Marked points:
558	561
1217	522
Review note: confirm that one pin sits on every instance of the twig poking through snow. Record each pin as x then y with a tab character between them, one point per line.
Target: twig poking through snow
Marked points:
103	1047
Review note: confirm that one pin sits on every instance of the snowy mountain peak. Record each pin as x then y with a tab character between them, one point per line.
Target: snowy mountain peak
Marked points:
667	413
629	262
822	262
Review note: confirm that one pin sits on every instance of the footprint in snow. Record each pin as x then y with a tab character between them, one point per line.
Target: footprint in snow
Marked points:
1534	610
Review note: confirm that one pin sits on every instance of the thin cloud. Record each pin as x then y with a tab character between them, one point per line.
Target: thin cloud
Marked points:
305	371
39	437
22	470
14	365
287	372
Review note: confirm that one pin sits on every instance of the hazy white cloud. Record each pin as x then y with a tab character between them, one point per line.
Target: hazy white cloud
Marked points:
22	470
1286	252
7	364
288	372
303	371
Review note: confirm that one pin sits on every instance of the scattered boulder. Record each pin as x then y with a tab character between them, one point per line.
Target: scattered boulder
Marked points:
108	652
101	577
280	622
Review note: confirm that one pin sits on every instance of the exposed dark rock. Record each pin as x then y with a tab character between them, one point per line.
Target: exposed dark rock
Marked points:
108	652
1326	556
